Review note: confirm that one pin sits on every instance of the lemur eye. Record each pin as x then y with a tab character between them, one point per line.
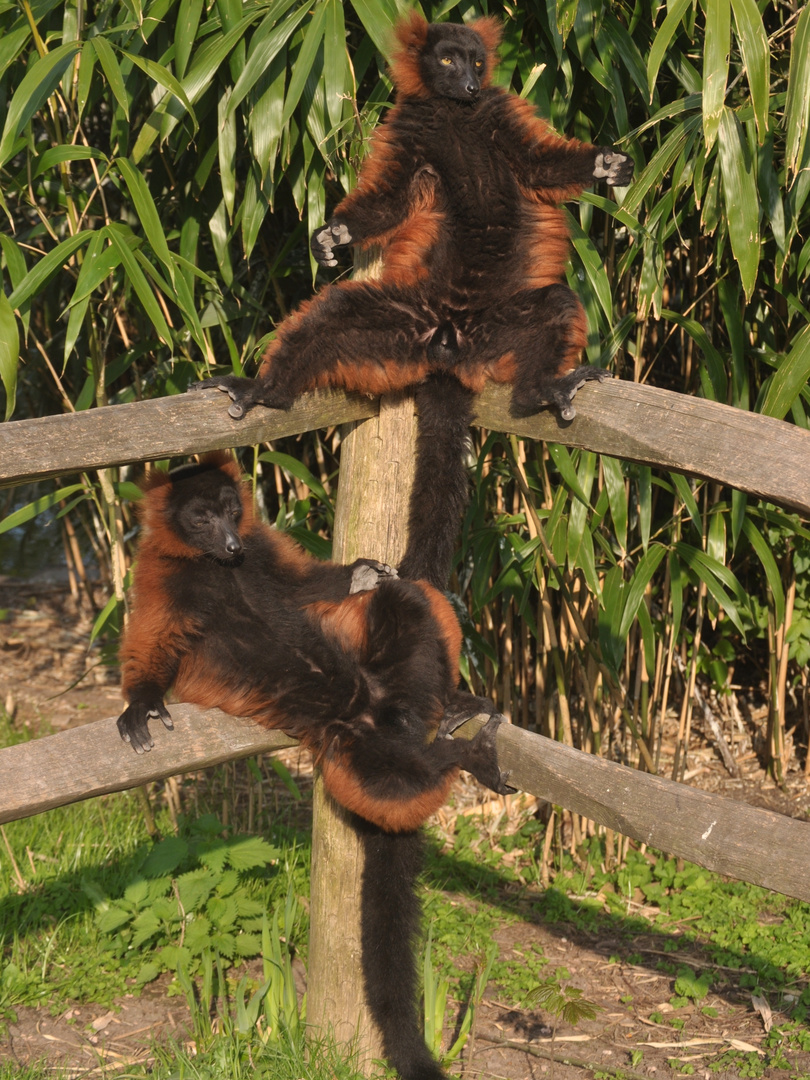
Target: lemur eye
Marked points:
447	61
479	63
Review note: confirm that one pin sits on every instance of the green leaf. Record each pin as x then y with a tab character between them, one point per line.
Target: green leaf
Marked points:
790	377
336	75
313	37
185	33
637	586
37	278
38	506
164	857
147	213
55	155
377	17
163	77
109	65
741	198
262	56
717	578
797	103
40	81
765	556
617	496
139	283
717	44
250	851
715	365
9	353
300	471
663	37
757	58
688	499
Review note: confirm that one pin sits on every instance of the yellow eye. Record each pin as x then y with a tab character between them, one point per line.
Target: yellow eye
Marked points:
479	63
446	61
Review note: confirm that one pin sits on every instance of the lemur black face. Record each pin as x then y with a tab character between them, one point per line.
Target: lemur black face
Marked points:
454	61
206	511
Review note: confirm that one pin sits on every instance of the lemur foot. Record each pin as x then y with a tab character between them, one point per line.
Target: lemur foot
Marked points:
559	392
481	756
368	573
244	393
133	724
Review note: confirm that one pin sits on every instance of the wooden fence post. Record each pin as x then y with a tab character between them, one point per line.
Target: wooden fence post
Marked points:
376	474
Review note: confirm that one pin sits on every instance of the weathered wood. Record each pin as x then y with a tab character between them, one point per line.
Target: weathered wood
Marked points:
641	423
754	453
152	430
92	760
731	837
376	473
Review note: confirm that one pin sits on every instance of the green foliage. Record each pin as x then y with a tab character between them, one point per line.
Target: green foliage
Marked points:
189	897
565	1002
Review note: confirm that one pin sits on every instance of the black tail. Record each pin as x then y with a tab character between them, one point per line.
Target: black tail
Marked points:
390	921
440	487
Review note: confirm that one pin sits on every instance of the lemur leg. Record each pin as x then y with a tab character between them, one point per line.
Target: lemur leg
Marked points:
535	342
352	335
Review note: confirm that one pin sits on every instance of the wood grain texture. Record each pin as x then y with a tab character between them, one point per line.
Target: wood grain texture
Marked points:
376	473
165	427
731	837
93	760
754	453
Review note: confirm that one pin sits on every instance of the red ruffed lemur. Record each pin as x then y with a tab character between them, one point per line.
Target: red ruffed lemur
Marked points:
359	665
461	190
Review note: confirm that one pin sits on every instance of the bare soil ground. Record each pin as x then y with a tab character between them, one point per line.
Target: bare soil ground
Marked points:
47	684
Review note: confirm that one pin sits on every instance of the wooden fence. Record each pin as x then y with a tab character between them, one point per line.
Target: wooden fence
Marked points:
756	454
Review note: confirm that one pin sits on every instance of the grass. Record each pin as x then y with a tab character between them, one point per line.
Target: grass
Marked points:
88	912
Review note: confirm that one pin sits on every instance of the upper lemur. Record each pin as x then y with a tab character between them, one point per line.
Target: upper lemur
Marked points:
461	189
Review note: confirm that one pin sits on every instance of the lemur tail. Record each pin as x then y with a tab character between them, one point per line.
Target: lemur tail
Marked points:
441	486
390	921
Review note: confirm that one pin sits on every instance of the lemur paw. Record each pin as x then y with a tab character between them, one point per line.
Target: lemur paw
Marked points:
244	393
368	573
325	240
483	762
614	168
133	724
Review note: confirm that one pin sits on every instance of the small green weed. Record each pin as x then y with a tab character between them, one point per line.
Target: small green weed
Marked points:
189	894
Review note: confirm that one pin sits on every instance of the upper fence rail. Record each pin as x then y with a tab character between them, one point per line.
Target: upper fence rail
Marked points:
757	454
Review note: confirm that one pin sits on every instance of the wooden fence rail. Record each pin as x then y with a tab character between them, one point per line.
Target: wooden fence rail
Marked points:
721	834
754	453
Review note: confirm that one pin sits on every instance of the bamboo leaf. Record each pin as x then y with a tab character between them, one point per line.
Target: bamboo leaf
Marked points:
139	283
335	69
313	38
765	556
39	83
9	352
565	466
300	471
268	47
716	48
797	103
688	499
716	578
27	513
715	365
790	378
112	71
757	58
644	504
37	278
741	198
617	496
185	33
147	213
592	263
377	17
163	77
55	155
226	144
637	586
663	37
